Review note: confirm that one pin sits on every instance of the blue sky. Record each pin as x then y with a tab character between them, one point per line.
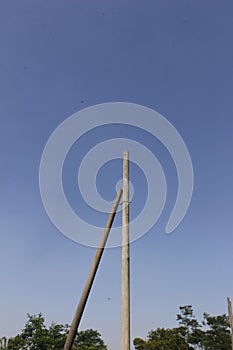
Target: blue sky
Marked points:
58	57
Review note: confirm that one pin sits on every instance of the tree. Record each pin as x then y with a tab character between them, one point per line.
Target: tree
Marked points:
57	336
3	343
36	336
212	334
162	339
89	340
190	329
140	344
16	343
32	336
217	337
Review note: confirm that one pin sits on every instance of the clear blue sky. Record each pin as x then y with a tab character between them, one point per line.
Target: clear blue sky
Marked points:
58	57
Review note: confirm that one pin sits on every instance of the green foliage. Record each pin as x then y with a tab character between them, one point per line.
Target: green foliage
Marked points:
89	340
187	319
190	328
140	344
36	336
217	337
212	334
162	339
3	343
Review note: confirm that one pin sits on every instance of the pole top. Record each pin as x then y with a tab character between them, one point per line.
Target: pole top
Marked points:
126	154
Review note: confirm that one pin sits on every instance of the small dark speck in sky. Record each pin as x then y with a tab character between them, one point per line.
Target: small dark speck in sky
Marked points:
82	101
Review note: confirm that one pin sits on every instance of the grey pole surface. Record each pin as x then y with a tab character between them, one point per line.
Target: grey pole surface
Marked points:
230	319
78	314
125	272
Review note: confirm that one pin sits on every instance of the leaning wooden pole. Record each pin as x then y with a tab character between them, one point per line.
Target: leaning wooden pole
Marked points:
125	268
78	314
230	319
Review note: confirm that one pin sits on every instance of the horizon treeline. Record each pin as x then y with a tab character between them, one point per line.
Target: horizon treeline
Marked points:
211	333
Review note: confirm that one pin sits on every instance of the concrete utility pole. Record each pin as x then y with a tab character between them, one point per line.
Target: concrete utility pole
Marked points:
78	314
125	281
230	319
